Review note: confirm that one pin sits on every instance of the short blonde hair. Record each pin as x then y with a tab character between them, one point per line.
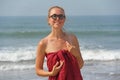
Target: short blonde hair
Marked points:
55	7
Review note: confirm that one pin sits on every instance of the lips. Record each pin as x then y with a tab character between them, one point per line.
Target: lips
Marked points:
57	23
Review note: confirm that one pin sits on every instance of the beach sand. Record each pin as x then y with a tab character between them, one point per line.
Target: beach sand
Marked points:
92	70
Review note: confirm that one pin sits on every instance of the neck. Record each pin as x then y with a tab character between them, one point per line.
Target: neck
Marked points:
57	33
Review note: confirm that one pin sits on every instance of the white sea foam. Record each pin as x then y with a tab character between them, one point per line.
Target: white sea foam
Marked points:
29	53
24	58
16	67
101	54
19	54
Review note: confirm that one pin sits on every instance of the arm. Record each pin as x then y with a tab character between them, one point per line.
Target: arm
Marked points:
40	61
75	50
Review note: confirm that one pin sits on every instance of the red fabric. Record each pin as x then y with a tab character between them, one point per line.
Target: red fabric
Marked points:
70	69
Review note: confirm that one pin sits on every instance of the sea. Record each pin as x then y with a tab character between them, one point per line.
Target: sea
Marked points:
98	36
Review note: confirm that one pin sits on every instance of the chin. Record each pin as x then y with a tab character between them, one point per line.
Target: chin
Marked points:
56	26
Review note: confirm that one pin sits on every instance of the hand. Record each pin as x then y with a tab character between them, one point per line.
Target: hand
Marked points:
69	46
56	68
72	49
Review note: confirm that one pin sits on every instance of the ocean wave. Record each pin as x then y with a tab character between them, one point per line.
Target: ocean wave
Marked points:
102	55
23	33
24	58
45	32
16	67
98	33
27	54
16	55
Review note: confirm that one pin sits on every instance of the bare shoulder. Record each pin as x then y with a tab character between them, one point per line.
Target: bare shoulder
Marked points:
42	44
42	41
71	36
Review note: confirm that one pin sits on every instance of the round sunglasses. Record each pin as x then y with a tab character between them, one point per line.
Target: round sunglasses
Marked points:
55	16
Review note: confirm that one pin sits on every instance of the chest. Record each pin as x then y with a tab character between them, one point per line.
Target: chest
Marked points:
56	43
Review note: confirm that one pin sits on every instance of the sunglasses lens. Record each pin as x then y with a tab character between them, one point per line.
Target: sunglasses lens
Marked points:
54	16
61	17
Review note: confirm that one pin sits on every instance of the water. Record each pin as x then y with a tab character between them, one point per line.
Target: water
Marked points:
99	38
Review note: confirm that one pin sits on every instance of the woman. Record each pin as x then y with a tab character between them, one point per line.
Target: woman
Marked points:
61	49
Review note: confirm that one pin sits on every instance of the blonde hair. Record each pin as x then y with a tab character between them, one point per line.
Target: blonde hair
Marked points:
55	7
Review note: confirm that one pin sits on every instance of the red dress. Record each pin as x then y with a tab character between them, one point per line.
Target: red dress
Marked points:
70	69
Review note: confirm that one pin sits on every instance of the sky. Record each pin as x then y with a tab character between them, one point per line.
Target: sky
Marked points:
72	7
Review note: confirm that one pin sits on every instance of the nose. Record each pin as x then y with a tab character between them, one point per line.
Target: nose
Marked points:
57	18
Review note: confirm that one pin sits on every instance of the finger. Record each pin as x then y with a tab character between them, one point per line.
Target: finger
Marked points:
67	43
68	46
57	63
61	63
73	46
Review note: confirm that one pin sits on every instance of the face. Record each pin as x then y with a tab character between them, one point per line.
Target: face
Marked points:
56	18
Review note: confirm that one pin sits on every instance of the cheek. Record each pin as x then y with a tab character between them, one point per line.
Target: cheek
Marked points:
63	21
50	22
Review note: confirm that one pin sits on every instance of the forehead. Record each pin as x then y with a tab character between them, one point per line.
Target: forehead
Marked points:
56	11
